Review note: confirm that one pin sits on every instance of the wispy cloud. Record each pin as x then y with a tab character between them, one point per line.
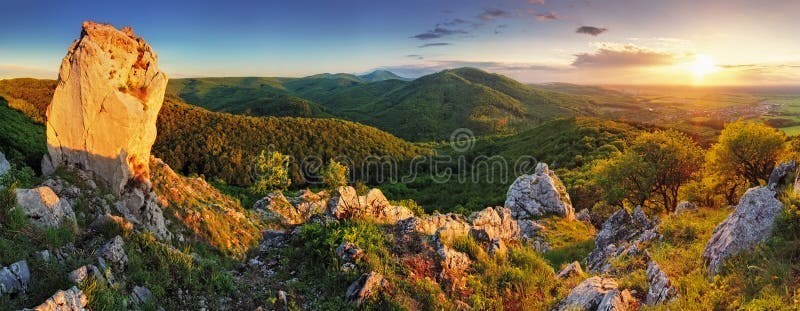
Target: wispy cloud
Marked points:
439	32
426	45
536	1
628	55
492	14
549	16
591	30
429	67
499	29
416	56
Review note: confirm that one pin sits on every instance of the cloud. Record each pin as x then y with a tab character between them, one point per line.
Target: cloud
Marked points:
629	55
536	1
549	16
492	14
20	71
499	29
434	44
590	30
455	22
438	32
417	56
417	70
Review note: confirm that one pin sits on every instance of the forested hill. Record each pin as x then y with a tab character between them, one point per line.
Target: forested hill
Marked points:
428	108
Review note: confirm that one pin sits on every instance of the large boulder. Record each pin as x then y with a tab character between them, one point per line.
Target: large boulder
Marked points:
749	224
429	224
539	195
622	231
276	206
597	293
72	299
44	208
15	278
103	114
497	223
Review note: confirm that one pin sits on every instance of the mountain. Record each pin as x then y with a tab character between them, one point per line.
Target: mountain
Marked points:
381	75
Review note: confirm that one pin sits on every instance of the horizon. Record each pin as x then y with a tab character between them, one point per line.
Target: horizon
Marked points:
714	42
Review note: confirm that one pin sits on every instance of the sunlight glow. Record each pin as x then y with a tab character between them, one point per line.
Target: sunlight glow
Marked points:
702	66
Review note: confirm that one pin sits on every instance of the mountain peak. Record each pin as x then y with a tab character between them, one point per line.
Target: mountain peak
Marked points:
381	75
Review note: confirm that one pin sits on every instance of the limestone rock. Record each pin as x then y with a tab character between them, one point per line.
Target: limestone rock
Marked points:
374	206
276	206
572	269
72	299
429	224
349	252
494	223
367	285
15	278
141	295
750	223
618	233
597	293
584	216
140	206
539	195
779	172
685	206
82	273
454	264
43	207
103	114
4	165
497	247
660	289
114	253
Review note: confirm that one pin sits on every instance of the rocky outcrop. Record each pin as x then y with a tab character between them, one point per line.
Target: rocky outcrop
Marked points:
539	195
44	208
374	206
622	232
15	278
276	206
4	165
72	299
573	269
496	223
103	114
749	224
141	295
597	293
349	252
685	206
140	206
368	284
779	173
584	216
429	224
453	264
660	289
113	252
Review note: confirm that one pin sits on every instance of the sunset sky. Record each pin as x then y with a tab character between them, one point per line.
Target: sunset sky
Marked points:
719	42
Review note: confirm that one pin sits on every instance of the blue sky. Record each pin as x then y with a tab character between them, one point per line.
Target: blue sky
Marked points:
750	42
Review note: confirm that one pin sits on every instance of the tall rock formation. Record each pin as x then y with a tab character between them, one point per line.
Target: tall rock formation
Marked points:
104	109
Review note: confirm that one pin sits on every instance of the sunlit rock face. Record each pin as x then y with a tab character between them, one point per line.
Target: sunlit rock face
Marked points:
104	110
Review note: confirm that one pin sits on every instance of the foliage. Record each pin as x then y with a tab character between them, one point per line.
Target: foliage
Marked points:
272	173
653	169
334	175
29	96
746	149
21	140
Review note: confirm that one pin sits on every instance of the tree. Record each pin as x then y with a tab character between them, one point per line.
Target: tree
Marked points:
656	165
746	149
334	175
271	172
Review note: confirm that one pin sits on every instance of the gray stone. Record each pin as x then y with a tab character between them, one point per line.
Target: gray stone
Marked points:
44	208
685	206
82	274
141	295
497	247
572	269
779	173
15	278
4	165
617	234
660	289
749	224
539	195
596	293
584	216
140	207
114	253
365	286
349	252
347	204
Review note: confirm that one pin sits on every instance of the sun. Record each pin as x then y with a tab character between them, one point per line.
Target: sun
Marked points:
703	65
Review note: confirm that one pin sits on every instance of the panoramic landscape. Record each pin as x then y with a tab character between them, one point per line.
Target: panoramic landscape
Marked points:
423	155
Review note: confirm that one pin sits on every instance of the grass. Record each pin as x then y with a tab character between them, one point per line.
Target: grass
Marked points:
570	240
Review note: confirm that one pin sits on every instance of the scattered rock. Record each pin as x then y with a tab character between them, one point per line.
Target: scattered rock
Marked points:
15	278
497	247
539	195
618	230
584	216
367	285
282	303
114	252
82	273
72	299
685	206
4	165
44	208
276	206
570	270
349	252
597	293
779	173
429	224
750	223
140	206
103	114
141	295
660	289
374	206
273	239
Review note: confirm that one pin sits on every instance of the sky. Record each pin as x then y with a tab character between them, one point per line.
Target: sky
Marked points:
692	42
